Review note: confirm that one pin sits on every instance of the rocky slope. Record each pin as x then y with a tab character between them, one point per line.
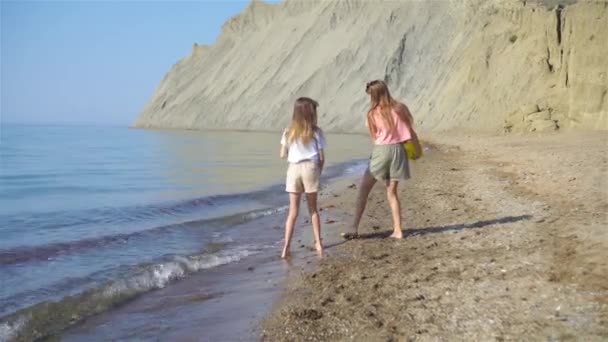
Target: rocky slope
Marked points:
480	65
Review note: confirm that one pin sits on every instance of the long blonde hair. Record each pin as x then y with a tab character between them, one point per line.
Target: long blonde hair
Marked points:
380	99
304	121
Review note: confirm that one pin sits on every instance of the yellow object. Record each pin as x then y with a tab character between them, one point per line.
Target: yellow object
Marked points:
410	150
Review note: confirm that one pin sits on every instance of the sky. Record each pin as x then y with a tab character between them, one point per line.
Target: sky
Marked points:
96	61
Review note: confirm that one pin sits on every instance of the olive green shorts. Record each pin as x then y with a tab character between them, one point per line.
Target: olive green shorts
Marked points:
389	162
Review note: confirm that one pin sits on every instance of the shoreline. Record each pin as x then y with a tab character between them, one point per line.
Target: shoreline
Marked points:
227	302
193	242
505	239
214	298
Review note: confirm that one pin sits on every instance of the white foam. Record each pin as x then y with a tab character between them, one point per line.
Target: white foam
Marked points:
149	278
9	331
159	275
357	168
219	238
268	212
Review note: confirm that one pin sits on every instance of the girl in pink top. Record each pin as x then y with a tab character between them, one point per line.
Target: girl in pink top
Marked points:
391	129
390	126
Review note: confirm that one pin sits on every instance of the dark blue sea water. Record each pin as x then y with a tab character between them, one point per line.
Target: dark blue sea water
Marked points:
92	215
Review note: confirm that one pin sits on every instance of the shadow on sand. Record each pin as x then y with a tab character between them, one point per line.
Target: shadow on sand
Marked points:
442	229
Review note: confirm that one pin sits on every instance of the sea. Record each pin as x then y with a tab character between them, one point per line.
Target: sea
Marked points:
92	217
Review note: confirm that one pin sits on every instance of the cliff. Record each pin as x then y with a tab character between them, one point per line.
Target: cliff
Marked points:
503	65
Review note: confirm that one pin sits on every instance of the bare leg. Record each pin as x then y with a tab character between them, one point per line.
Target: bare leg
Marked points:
311	200
366	186
393	201
294	208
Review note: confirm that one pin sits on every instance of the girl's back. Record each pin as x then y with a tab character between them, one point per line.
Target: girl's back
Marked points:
383	134
299	151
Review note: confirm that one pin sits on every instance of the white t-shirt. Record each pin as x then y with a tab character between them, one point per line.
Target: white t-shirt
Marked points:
297	151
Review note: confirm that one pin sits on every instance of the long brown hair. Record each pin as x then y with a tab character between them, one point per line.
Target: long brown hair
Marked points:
381	99
304	121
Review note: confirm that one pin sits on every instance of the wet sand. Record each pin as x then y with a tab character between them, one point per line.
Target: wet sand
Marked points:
507	239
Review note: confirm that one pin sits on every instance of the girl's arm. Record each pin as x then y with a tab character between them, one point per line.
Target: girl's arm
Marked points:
284	151
321	159
320	144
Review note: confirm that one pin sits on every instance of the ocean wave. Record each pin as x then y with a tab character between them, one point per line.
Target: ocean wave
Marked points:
47	221
69	220
50	318
10	330
45	252
357	168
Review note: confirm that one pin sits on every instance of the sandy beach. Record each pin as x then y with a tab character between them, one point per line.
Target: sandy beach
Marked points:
506	240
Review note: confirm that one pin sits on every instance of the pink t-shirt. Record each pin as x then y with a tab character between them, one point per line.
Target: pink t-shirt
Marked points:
384	135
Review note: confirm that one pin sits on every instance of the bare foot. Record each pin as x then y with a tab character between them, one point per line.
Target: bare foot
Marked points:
287	262
396	235
286	253
320	254
319	248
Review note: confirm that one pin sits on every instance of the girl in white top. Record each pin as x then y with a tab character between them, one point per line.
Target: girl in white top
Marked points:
302	145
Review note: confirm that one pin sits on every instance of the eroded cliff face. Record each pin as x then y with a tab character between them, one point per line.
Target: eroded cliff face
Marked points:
481	65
